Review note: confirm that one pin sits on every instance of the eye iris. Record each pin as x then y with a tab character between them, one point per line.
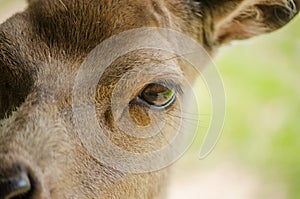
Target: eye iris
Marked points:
158	95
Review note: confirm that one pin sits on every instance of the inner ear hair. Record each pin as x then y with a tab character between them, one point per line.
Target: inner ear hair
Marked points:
242	19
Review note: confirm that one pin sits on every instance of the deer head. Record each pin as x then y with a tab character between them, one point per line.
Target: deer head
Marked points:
42	51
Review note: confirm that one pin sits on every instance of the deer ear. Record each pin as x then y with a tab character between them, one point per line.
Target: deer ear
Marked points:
242	19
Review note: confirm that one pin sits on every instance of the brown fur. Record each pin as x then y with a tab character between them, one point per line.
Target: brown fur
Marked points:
41	50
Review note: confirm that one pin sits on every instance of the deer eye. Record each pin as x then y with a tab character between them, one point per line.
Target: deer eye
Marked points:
158	95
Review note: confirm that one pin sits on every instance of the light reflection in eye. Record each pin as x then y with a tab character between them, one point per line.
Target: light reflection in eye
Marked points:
158	95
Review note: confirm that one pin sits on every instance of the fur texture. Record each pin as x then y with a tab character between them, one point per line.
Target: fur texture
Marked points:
41	50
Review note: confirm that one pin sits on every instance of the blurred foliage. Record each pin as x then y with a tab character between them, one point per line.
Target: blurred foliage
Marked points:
262	127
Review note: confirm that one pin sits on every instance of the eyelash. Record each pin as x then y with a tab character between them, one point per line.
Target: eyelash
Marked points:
153	107
169	84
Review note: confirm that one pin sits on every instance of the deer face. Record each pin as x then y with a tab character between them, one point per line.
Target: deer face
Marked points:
42	50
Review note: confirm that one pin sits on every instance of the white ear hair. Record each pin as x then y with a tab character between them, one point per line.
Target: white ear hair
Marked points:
242	19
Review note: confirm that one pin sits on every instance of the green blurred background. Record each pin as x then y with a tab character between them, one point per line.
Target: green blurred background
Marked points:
258	154
262	129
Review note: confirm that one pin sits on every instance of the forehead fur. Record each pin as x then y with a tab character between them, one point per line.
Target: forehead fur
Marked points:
81	25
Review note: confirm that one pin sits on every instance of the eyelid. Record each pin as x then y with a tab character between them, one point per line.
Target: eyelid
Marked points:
154	107
171	84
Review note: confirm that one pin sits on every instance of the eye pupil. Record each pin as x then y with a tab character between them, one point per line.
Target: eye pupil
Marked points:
158	95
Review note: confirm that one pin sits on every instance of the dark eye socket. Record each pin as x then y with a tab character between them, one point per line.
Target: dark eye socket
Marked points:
158	95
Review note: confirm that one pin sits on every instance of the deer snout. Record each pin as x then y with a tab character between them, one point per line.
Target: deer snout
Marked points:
16	183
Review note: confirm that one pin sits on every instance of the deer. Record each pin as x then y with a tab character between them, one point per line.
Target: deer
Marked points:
42	155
